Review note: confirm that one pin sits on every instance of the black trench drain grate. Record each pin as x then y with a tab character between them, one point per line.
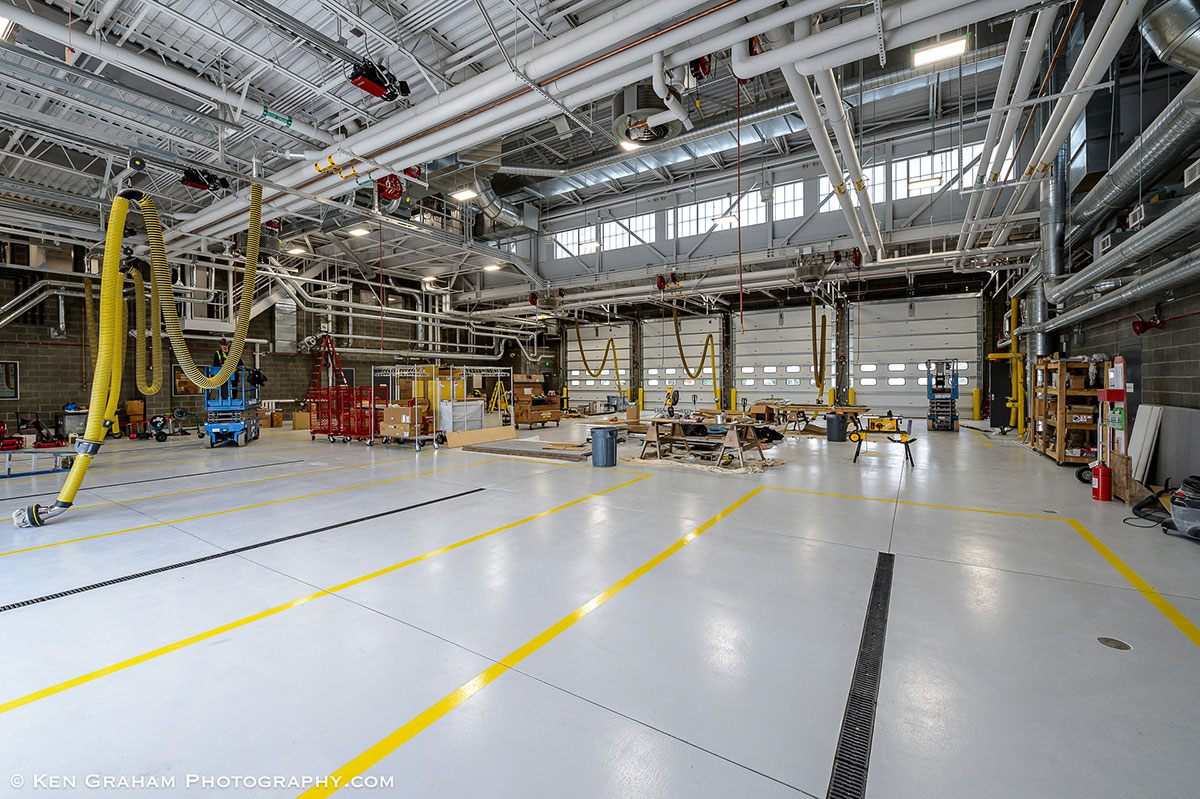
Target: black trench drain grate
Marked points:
849	778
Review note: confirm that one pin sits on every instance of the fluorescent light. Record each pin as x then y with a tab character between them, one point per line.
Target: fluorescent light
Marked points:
462	195
6	27
428	278
939	52
492	268
725	220
589	246
924	183
629	145
359	231
297	251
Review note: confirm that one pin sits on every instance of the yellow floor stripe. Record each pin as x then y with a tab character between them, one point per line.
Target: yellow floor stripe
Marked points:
233	625
245	507
1183	623
241	483
147	466
982	437
917	504
395	740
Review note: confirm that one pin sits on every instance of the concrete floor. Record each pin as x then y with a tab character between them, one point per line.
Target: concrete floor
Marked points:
563	633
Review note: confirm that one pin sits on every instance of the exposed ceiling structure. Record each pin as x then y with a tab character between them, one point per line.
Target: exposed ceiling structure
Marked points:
441	144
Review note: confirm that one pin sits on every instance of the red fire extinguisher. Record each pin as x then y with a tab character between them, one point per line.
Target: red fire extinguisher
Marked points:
1102	483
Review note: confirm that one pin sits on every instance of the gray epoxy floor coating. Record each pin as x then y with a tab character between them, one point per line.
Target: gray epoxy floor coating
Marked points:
630	667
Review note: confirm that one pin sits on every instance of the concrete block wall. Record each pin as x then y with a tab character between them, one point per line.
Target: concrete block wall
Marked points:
53	370
1170	357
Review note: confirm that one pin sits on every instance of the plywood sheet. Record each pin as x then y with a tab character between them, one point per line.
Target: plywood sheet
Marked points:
465	438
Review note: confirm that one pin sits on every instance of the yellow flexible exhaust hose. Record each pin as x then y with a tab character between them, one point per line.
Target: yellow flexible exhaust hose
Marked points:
118	357
709	346
139	308
161	275
89	319
110	295
609	347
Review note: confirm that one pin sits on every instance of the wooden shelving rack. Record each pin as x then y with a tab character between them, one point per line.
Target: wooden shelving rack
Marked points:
1054	401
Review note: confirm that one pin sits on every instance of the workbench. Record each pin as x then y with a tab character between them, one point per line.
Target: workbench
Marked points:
796	416
668	441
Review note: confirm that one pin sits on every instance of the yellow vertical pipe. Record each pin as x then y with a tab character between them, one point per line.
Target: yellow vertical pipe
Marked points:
641	400
732	399
831	396
977	404
851	397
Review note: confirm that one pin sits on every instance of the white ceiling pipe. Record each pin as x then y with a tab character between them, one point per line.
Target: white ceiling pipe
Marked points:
630	66
1008	72
806	104
596	36
837	36
1101	46
146	66
831	98
675	109
1030	67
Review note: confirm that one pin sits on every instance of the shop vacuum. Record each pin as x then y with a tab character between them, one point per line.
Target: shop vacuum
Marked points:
1185	508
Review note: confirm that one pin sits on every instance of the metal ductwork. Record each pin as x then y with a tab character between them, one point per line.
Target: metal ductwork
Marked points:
1172	29
1176	273
1148	241
1163	144
501	212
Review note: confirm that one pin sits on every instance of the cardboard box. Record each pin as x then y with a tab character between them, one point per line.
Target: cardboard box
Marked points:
1076	382
1082	418
632	413
135	408
300	420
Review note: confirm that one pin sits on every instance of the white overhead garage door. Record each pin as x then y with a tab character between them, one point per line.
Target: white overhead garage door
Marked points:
581	386
661	366
891	341
773	356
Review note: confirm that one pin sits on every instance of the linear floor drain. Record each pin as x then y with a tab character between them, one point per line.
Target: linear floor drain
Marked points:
1113	643
849	778
226	553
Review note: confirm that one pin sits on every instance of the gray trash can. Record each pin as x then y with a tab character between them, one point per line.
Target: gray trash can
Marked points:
604	446
835	427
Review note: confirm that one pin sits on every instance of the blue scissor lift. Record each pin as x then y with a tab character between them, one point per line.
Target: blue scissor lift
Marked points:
231	408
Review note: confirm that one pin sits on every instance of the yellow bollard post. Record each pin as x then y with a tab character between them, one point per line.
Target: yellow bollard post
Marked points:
831	396
732	400
641	400
851	397
977	404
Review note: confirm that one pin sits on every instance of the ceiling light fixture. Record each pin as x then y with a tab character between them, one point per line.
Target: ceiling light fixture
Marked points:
428	278
627	146
941	51
463	195
492	268
359	231
924	183
297	251
6	27
588	246
725	219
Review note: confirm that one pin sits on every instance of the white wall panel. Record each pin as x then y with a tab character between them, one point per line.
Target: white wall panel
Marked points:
583	387
661	366
773	356
887	334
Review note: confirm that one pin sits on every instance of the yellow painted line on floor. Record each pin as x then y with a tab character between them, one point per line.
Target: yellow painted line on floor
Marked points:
575	465
236	510
1183	623
240	483
917	504
369	758
147	466
982	437
233	625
